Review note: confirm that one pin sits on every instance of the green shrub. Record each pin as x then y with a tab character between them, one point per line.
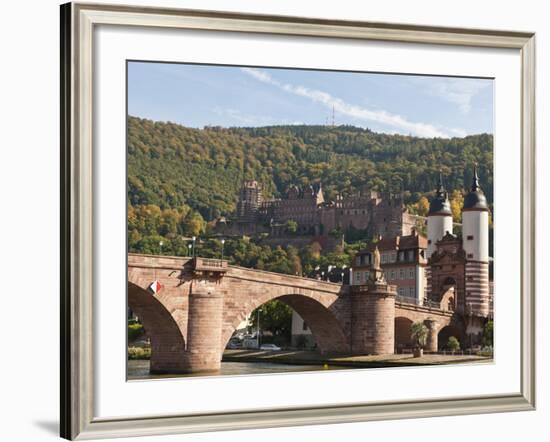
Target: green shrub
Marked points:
135	331
453	344
139	353
486	351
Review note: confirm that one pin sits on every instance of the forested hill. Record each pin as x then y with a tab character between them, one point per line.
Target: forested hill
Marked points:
172	166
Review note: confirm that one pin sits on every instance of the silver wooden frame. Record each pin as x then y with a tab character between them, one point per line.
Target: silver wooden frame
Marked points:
77	26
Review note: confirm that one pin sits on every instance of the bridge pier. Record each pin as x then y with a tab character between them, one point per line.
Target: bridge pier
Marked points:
373	319
204	329
431	343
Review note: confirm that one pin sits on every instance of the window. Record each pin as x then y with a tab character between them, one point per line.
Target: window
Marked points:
470	237
401	273
411	273
392	274
401	291
429	241
304	326
470	255
412	291
358	276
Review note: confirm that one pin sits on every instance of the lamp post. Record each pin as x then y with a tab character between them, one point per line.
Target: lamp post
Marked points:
194	239
189	249
223	242
160	245
351	276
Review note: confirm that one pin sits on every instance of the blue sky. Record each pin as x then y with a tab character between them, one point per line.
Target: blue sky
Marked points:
201	95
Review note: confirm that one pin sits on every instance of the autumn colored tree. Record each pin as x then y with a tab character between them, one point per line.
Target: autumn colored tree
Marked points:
457	202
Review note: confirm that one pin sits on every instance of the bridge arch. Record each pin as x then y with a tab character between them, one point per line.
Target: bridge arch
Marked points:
167	342
325	327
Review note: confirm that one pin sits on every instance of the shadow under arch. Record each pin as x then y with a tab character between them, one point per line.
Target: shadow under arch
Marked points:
453	329
402	326
325	327
167	342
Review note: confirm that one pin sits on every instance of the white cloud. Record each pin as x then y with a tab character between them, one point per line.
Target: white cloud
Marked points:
458	91
250	119
358	112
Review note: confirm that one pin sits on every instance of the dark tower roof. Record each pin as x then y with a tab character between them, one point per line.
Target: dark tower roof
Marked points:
440	204
475	199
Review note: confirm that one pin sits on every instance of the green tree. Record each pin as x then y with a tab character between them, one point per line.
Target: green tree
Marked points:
488	334
419	334
291	226
274	316
453	344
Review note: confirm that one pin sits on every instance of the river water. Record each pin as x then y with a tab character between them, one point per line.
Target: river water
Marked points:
139	369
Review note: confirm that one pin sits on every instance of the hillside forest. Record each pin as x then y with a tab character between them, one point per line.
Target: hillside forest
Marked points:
181	179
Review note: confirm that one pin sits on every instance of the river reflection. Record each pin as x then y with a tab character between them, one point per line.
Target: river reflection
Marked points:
139	369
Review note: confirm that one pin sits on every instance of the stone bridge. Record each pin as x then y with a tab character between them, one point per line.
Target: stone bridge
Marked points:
190	308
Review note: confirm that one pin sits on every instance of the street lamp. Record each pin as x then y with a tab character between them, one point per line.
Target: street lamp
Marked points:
194	239
223	242
189	249
160	245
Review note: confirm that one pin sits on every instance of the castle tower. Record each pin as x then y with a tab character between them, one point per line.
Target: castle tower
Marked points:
475	242
250	199
440	217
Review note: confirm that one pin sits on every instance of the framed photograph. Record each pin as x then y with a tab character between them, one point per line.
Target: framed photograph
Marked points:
274	221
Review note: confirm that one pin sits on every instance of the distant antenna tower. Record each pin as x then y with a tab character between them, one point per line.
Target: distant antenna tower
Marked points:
333	115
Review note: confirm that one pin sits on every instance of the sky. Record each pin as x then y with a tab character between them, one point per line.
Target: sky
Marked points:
232	96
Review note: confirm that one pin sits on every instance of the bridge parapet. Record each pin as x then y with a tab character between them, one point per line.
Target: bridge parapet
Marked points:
210	265
414	301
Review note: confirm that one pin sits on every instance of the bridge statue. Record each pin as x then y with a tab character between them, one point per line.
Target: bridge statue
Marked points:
376	259
376	274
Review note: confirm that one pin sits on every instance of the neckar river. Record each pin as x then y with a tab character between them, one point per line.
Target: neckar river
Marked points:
139	369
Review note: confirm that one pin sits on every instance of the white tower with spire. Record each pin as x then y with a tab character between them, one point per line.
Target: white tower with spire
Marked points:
475	242
440	217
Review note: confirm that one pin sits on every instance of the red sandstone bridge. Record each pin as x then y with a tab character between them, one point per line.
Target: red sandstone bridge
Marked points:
202	302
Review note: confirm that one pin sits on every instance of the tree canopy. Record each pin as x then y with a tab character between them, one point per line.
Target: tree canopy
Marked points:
174	167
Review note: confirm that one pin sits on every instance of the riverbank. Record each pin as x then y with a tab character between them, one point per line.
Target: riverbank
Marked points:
139	369
313	358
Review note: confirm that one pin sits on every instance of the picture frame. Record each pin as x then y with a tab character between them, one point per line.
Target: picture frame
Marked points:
78	24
